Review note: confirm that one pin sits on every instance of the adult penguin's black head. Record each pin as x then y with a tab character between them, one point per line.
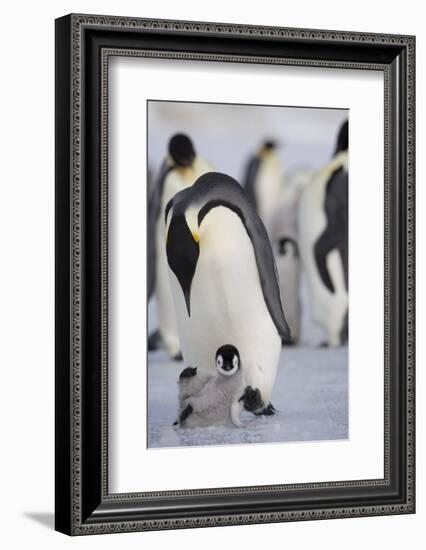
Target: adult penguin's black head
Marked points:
181	149
227	360
269	144
342	142
182	250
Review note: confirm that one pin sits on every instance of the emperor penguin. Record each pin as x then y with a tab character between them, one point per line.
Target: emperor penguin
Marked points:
206	399
263	180
224	280
285	243
180	169
284	235
323	236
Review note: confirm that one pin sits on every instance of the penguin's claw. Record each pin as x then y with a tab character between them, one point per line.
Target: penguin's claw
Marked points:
252	400
269	410
178	356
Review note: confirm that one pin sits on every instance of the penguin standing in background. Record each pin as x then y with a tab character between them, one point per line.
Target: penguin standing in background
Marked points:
284	235
284	238
179	170
263	180
323	239
224	281
296	180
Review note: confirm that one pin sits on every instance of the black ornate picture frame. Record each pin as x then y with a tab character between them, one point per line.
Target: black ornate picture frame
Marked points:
84	44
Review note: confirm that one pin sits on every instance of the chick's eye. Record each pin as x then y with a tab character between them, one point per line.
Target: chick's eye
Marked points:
235	361
219	361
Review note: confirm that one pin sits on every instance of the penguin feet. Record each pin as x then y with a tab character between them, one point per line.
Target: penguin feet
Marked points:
155	341
252	400
269	410
178	356
184	414
288	341
189	372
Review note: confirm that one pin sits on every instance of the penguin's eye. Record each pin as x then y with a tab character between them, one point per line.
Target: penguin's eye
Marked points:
235	361
219	361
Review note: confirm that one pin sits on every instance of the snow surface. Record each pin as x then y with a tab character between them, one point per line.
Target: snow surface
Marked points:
310	394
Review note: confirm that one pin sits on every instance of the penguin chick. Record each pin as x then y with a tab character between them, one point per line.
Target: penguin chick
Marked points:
207	400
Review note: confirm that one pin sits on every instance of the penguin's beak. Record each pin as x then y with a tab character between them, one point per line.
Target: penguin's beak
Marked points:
191	217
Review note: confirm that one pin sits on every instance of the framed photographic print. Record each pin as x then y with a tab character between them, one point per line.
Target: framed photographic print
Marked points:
234	274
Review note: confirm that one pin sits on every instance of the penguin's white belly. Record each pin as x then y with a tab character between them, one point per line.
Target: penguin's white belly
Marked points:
227	303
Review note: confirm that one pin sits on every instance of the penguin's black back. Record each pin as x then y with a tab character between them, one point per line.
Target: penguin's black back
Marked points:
250	179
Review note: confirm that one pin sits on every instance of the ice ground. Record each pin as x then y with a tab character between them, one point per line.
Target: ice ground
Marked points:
310	393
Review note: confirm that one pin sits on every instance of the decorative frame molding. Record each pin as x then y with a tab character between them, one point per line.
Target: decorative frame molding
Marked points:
83	47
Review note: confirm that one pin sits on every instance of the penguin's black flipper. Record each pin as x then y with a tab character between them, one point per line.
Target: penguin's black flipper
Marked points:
185	413
335	235
250	180
252	399
154	341
324	245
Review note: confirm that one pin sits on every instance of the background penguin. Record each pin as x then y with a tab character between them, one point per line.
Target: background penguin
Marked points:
335	235
284	235
205	399
284	238
263	180
224	280
323	224
179	170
